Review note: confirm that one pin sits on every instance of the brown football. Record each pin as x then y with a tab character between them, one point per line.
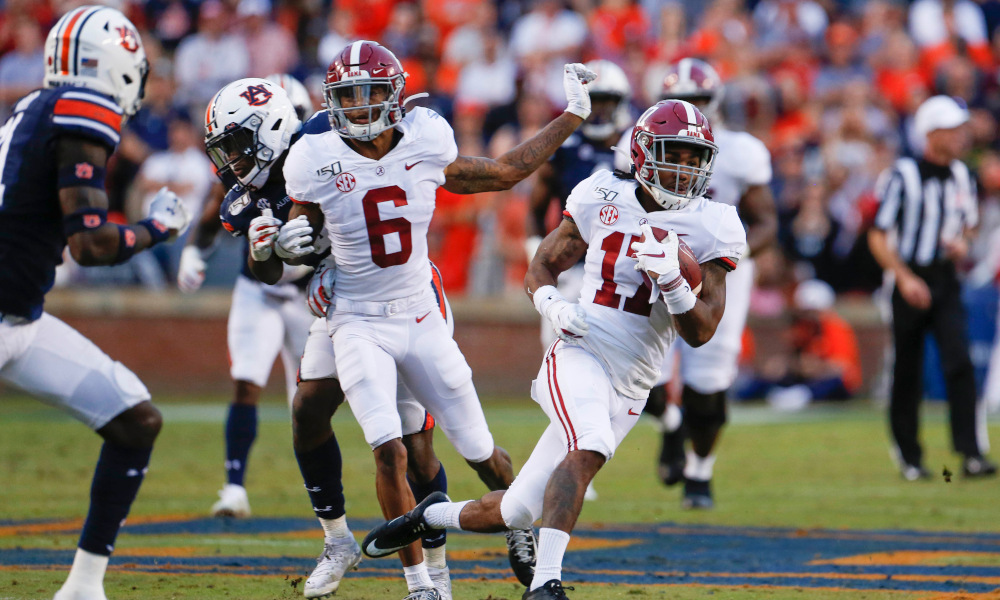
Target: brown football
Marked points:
690	269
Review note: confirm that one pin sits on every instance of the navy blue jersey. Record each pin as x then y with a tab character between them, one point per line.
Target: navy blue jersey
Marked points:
31	219
577	159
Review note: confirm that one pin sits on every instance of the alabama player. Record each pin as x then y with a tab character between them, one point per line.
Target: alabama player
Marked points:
53	152
596	377
250	126
741	178
369	176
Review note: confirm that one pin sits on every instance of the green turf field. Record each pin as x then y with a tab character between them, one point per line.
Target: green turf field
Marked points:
826	468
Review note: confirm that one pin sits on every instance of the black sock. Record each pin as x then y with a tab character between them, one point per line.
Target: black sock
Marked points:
117	478
241	431
422	490
321	472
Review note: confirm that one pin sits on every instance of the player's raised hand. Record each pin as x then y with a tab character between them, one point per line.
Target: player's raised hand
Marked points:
168	210
319	292
575	78
263	231
295	238
568	319
191	271
658	259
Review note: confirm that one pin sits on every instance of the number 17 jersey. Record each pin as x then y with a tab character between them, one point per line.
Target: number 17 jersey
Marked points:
376	212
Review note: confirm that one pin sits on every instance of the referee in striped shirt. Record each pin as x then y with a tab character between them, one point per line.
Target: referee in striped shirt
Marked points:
926	215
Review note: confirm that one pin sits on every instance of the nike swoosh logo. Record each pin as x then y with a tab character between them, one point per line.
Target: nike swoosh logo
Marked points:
634	414
408	167
660	255
419	319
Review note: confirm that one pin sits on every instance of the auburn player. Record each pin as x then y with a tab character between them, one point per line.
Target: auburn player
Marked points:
741	178
596	377
368	177
250	126
53	152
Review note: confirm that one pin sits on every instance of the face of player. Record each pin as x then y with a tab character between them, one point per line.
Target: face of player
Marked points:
602	108
687	159
234	151
368	97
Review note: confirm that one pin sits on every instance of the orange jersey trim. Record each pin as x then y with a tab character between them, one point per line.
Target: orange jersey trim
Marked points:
88	110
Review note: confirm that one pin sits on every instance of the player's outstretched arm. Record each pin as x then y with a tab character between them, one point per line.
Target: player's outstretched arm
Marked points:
191	270
698	325
315	216
92	240
469	175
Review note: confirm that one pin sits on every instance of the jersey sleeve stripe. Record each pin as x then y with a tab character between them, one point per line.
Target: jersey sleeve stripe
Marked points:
93	98
438	288
85	109
727	262
105	131
300	201
67	34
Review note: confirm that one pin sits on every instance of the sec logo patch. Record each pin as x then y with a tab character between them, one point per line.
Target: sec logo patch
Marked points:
609	214
345	182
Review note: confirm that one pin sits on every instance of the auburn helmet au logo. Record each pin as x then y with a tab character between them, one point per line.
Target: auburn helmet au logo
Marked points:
128	40
256	95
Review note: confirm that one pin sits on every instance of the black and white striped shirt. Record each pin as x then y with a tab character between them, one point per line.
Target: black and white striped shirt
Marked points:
924	205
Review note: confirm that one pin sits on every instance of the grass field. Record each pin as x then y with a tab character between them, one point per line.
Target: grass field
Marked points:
822	477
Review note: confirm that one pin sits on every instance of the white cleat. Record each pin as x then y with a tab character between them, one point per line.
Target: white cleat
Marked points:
338	558
233	502
442	581
76	592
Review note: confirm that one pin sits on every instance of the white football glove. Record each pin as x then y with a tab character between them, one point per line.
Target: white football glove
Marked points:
191	271
295	238
319	292
167	209
575	78
567	318
263	232
657	259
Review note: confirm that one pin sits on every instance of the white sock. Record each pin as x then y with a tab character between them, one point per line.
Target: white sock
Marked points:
417	577
444	515
436	557
698	468
551	547
87	570
336	528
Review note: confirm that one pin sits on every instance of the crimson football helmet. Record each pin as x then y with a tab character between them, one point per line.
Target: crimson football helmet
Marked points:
364	90
694	80
673	152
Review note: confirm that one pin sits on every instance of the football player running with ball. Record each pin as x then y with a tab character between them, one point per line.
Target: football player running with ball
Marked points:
596	377
369	177
54	149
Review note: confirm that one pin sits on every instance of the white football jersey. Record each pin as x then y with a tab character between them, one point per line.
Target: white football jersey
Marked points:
628	334
376	212
743	161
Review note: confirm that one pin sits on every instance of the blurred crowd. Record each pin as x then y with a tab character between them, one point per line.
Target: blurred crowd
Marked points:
830	86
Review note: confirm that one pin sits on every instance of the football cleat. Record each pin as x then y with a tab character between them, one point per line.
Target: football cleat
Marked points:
697	495
978	466
233	502
442	581
338	557
74	592
522	550
914	472
552	590
402	531
424	594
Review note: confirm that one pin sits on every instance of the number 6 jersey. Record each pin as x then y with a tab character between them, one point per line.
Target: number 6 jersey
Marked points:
376	212
628	334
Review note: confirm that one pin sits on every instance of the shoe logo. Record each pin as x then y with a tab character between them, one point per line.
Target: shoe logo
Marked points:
660	255
408	167
419	319
634	414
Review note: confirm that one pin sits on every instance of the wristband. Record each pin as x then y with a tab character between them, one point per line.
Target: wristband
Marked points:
84	219
677	295
82	174
543	298
126	244
158	231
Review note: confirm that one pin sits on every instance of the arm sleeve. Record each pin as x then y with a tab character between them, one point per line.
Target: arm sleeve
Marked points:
86	114
889	191
576	209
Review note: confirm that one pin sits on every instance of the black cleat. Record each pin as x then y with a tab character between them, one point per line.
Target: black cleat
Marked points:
552	590
522	550
697	495
978	466
402	531
672	459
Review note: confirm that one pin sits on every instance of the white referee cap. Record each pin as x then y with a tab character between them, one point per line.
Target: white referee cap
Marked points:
939	112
